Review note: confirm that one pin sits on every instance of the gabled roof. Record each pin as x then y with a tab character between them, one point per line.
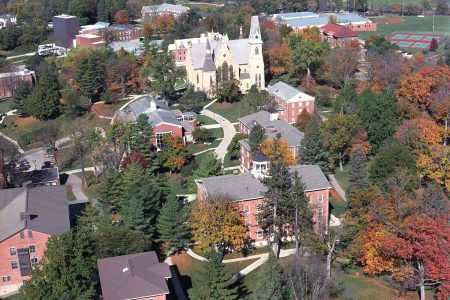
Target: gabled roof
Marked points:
338	31
245	186
44	209
122	27
133	276
287	92
165	7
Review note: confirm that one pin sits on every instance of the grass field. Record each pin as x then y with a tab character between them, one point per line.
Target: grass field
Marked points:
205	120
342	177
6	105
230	111
412	24
378	3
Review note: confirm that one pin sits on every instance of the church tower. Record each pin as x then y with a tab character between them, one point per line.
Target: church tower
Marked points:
255	56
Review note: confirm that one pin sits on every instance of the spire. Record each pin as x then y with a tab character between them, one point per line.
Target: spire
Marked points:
208	47
255	32
241	36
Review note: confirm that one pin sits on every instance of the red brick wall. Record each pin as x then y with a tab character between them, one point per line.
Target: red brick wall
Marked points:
86	42
176	131
292	109
39	240
8	84
363	27
179	54
245	159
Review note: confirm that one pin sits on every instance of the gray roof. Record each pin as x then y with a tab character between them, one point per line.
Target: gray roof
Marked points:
208	65
44	209
165	7
288	132
133	276
162	116
301	14
36	177
122	27
245	186
187	126
132	46
282	90
323	19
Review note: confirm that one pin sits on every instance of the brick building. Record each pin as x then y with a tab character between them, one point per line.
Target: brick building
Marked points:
124	32
28	218
337	35
135	276
151	11
273	126
65	29
10	80
290	101
246	189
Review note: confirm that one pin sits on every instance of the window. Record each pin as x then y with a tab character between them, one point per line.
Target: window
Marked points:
12	251
320	212
259	208
30	234
22	235
247	223
14	264
32	248
198	80
34	261
160	138
256	51
260	234
6	278
320	198
246	209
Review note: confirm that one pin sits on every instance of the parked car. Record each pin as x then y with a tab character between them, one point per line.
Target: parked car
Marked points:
48	164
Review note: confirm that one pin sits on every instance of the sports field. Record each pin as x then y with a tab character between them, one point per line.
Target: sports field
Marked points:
411	25
416	41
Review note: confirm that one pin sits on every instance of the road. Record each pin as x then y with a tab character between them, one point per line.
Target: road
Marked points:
36	157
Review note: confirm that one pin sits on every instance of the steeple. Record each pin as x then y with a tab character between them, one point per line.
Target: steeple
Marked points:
255	32
208	47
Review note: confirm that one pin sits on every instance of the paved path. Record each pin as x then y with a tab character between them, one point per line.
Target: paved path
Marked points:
14	142
203	151
76	182
211	126
228	132
337	186
22	55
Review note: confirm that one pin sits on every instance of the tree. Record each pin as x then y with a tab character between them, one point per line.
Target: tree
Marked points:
174	154
43	103
303	120
23	91
337	133
268	148
112	192
388	160
278	58
420	249
132	212
122	17
120	71
378	45
255	100
67	269
270	284
435	165
203	135
433	202
208	166
72	107
379	116
172	226
89	77
345	102
141	138
217	282
217	224
191	100
312	149
161	74
229	92
419	134
357	173
434	44
256	137
234	147
50	133
343	62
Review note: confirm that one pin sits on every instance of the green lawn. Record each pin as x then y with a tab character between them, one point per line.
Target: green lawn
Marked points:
194	148
217	132
227	162
337	207
412	24
205	120
6	105
342	177
378	3
230	111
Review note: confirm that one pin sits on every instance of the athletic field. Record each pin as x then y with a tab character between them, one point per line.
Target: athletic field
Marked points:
415	41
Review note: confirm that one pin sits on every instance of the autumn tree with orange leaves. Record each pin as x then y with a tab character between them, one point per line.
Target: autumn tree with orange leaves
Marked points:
278	59
174	154
122	17
268	149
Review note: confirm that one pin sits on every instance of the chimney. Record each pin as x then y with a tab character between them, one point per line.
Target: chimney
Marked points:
25	216
273	116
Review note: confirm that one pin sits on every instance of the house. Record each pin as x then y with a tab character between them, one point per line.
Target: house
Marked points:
65	29
301	20
273	126
124	32
7	18
10	80
135	276
290	101
337	35
247	190
164	121
215	61
38	177
163	9
28	218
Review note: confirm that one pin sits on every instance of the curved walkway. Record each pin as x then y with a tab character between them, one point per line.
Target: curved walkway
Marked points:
228	132
337	186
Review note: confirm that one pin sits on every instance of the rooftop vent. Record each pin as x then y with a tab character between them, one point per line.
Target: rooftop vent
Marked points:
125	270
270	129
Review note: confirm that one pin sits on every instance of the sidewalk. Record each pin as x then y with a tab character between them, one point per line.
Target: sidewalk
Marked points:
337	186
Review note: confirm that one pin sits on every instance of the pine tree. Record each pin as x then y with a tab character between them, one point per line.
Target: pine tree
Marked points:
141	138
257	135
216	281
112	192
172	227
21	95
312	148
345	103
132	212
102	13
270	284
210	165
357	173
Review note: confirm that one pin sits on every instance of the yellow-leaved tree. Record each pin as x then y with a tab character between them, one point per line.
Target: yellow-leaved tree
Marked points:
268	146
217	224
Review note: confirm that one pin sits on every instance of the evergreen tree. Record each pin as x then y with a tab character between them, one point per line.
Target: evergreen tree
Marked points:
257	135
345	103
270	284
216	281
21	95
172	227
208	166
312	149
191	100
141	138
112	192
132	211
234	148
43	102
88	77
102	13
72	107
357	173
273	212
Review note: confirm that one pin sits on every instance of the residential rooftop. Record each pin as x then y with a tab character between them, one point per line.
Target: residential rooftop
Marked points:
287	92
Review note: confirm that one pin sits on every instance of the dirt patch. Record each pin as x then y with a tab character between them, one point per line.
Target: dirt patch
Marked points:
107	110
391	21
25	122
